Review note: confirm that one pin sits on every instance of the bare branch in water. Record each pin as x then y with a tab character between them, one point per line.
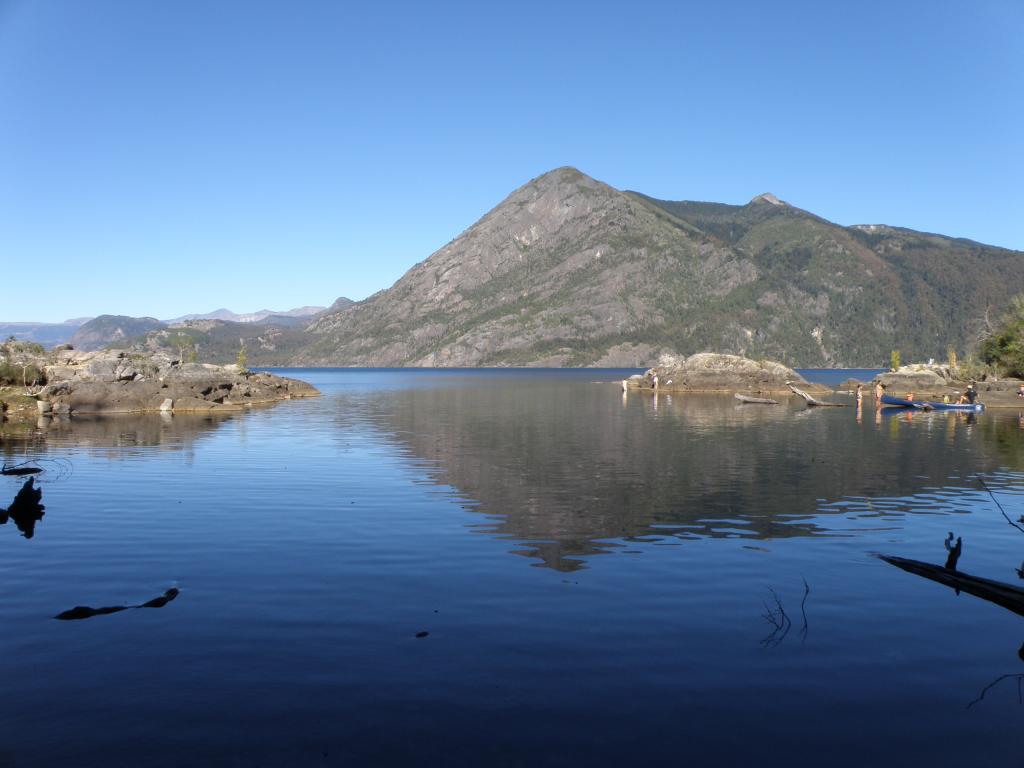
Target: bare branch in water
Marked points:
1020	693
778	619
803	611
1003	511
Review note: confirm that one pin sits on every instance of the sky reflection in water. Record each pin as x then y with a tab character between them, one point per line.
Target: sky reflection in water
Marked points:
600	579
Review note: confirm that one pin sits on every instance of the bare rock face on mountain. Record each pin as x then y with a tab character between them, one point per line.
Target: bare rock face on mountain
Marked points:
561	272
569	271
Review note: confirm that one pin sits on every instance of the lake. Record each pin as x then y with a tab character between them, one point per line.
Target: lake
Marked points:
429	567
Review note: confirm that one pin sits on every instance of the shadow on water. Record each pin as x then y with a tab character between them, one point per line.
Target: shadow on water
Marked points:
572	471
26	510
999	593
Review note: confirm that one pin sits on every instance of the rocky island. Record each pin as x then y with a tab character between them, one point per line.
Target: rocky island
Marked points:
65	381
711	372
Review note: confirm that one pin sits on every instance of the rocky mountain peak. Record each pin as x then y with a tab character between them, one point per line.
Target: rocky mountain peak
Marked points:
560	183
769	198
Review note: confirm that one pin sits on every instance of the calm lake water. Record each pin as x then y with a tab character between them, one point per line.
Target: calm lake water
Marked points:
598	577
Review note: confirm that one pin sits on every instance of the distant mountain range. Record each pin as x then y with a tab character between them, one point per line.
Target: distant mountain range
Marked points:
251	317
89	333
47	334
568	271
106	329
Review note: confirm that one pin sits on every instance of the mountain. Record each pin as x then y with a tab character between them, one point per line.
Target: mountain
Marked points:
47	334
251	317
339	304
569	271
272	339
106	329
218	341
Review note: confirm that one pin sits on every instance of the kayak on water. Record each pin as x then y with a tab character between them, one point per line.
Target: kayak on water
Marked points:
925	405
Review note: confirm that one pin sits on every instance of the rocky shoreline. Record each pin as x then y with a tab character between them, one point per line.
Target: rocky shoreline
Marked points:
711	373
932	382
112	382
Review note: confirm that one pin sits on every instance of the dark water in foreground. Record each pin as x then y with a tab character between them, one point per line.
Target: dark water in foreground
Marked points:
594	574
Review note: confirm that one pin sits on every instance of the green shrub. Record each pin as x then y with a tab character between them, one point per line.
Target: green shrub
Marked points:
17	375
1004	348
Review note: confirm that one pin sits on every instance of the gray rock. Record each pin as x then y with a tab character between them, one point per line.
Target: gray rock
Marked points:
710	372
116	382
911	380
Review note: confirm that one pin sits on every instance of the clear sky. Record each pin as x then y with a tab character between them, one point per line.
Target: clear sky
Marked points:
159	158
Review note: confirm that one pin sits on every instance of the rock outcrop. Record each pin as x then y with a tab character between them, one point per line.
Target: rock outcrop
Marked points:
710	372
119	382
920	377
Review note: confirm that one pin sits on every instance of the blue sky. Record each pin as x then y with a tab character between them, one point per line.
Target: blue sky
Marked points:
164	158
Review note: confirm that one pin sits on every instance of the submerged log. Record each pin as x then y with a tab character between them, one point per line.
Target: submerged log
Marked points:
755	400
811	402
20	469
80	612
1005	595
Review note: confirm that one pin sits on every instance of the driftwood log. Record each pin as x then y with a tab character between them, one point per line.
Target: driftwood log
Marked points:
755	400
1005	595
812	402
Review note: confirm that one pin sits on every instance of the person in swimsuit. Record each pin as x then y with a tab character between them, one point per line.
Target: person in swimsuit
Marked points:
969	396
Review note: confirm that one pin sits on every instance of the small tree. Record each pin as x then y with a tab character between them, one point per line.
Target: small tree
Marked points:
26	355
894	359
951	356
186	348
243	357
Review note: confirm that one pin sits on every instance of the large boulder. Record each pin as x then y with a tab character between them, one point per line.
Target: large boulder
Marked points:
918	376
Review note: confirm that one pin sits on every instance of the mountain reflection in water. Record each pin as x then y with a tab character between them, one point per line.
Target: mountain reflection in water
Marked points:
636	468
670	467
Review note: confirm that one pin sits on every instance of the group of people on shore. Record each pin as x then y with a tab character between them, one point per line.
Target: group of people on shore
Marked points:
969	396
